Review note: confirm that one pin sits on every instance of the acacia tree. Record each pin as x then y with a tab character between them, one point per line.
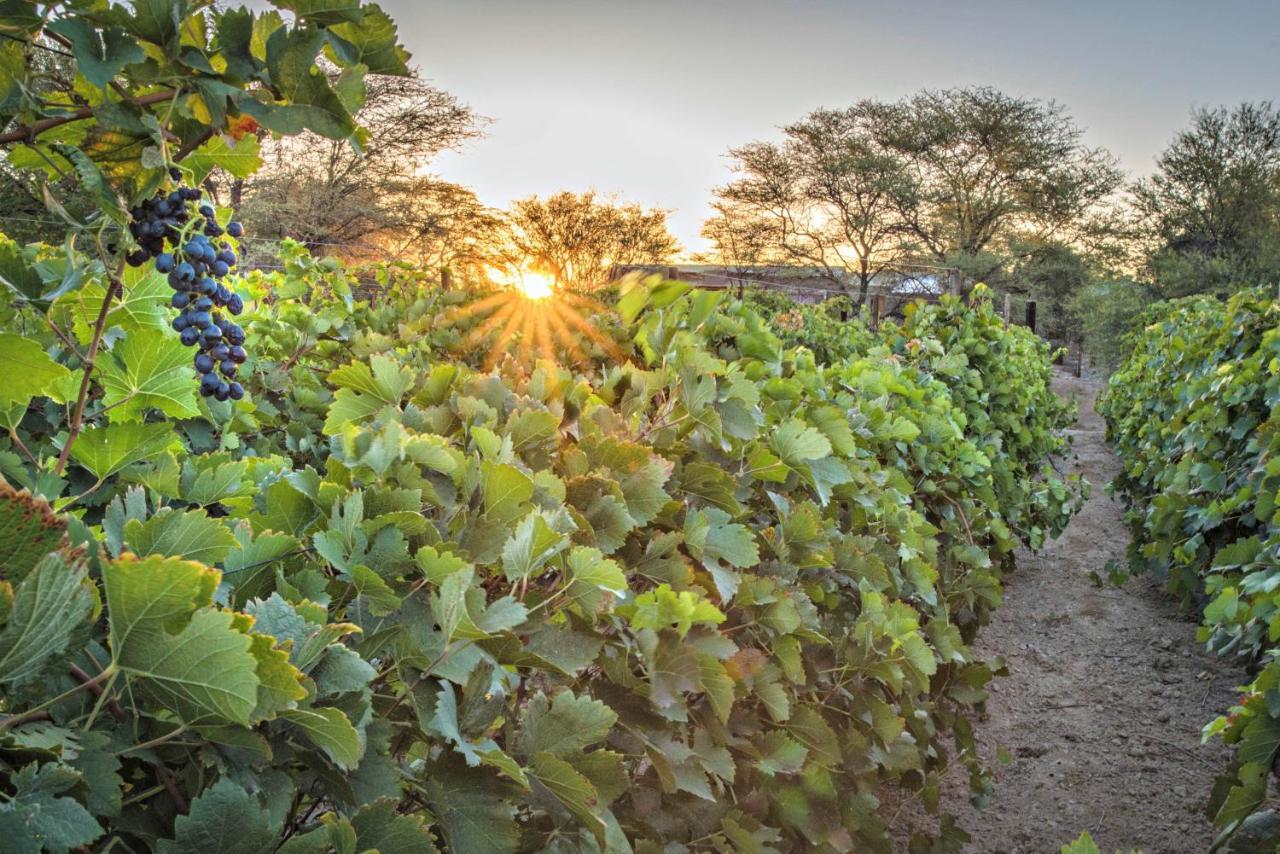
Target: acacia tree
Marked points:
375	199
987	169
823	197
960	177
578	238
1212	209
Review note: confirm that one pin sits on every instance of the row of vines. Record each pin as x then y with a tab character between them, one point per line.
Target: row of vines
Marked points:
1194	414
455	570
718	595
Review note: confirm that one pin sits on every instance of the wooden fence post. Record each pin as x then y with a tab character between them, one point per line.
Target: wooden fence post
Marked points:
446	278
955	282
1031	315
877	311
1008	307
671	273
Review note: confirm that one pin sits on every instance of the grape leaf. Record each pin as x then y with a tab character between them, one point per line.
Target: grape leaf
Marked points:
50	603
106	449
178	652
180	533
563	726
34	819
28	371
149	369
225	819
331	731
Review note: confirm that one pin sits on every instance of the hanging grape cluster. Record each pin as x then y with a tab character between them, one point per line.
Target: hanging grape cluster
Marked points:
160	225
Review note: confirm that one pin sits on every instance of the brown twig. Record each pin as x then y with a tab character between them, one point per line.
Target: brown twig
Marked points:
26	717
171	785
113	705
28	133
77	419
192	144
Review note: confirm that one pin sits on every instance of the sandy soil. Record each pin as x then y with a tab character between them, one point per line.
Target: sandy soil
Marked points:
1100	715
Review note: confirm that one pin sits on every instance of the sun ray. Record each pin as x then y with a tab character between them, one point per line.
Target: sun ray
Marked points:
566	338
542	333
526	333
490	325
531	320
496	351
598	338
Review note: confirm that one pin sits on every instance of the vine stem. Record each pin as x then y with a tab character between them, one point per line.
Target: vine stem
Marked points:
91	358
28	133
30	714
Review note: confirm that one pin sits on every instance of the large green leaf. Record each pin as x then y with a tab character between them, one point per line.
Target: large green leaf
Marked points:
16	271
180	533
378	826
331	731
240	158
101	53
143	304
311	102
28	371
225	819
564	726
530	547
157	21
149	369
474	812
29	530
106	449
506	491
324	12
573	790
178	652
797	443
36	818
594	579
371	42
50	604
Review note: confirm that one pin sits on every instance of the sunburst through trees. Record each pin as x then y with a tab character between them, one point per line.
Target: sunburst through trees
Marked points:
531	318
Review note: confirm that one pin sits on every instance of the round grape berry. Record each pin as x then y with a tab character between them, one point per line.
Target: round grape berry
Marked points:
236	391
204	363
190	336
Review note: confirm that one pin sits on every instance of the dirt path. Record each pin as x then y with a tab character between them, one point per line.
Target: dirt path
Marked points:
1106	694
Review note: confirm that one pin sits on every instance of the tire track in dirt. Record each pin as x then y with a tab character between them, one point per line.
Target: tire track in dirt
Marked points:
1107	691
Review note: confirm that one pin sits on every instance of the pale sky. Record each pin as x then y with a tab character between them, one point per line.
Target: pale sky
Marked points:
644	98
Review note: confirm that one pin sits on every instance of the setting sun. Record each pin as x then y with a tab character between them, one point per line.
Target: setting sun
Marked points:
535	285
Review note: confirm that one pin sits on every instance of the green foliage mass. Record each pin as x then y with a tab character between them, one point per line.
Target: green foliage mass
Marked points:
1193	414
831	329
718	594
